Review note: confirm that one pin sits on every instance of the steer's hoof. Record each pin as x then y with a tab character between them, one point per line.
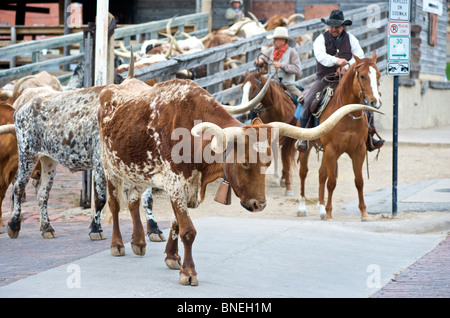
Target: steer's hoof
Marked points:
173	264
154	237
188	280
14	227
2	228
47	231
301	213
49	234
365	219
12	233
138	250
97	236
118	250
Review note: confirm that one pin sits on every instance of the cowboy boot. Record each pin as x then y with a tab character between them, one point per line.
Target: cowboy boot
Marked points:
373	143
302	145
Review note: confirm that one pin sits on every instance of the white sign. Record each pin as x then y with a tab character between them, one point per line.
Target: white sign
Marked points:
399	10
432	6
396	28
398	68
399	48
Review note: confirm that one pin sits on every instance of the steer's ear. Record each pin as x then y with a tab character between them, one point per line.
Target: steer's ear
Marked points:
257	121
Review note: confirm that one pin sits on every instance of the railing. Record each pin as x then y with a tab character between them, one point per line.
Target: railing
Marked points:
140	31
368	26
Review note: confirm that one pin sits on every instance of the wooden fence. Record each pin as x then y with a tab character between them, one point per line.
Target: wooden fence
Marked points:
140	32
369	26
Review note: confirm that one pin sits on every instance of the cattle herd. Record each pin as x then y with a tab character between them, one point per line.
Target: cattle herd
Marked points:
134	136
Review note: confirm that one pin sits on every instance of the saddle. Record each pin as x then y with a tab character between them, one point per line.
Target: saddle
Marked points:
323	97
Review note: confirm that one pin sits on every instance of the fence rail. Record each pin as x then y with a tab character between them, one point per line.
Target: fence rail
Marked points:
369	26
140	31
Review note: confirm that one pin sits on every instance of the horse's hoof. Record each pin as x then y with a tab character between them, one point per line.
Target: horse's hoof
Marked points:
301	213
289	193
322	212
283	183
98	236
365	219
173	264
118	250
274	183
154	237
188	280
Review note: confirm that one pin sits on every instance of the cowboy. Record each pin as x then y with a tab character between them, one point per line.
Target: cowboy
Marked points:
235	13
285	60
333	51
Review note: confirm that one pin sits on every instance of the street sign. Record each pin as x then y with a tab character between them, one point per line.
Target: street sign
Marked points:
399	48
398	68
396	28
400	10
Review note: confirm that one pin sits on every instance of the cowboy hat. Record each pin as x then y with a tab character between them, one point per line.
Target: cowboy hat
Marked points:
279	33
336	19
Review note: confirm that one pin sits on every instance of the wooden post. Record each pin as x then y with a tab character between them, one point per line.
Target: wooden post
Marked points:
101	43
206	7
12	61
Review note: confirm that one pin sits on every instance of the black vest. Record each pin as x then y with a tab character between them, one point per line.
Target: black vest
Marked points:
344	50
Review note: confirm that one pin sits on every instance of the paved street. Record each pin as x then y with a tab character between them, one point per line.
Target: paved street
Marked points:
236	257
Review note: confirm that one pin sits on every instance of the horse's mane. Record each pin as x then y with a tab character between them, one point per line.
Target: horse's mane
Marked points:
279	98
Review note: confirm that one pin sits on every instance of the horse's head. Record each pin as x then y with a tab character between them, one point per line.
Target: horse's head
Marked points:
252	84
366	83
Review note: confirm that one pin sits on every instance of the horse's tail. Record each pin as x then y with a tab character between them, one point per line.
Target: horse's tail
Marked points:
287	148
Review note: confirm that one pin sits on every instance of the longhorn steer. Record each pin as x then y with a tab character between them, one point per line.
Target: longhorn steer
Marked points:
140	129
8	154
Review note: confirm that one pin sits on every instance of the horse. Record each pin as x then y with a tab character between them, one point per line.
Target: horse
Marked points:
359	84
276	105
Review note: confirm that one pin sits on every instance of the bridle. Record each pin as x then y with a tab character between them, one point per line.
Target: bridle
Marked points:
360	87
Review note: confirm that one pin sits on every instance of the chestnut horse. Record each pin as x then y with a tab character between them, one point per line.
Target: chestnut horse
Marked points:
276	105
360	84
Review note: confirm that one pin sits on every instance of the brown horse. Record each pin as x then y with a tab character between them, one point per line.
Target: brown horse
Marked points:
276	105
360	84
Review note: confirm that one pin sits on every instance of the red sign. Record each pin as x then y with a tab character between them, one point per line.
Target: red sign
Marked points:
396	28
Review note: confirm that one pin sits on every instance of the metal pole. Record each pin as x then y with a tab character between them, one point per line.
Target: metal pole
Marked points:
395	149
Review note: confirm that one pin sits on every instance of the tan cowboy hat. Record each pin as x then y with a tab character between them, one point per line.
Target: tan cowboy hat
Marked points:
279	33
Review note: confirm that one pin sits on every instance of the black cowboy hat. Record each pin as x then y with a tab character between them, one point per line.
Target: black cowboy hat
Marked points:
336	19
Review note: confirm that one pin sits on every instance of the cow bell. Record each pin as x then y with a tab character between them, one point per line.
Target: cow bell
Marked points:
223	194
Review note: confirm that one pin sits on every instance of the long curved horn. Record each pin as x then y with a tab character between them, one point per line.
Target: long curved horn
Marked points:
123	48
253	17
169	25
294	16
172	42
122	54
234	110
317	132
7	129
18	84
221	135
131	69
